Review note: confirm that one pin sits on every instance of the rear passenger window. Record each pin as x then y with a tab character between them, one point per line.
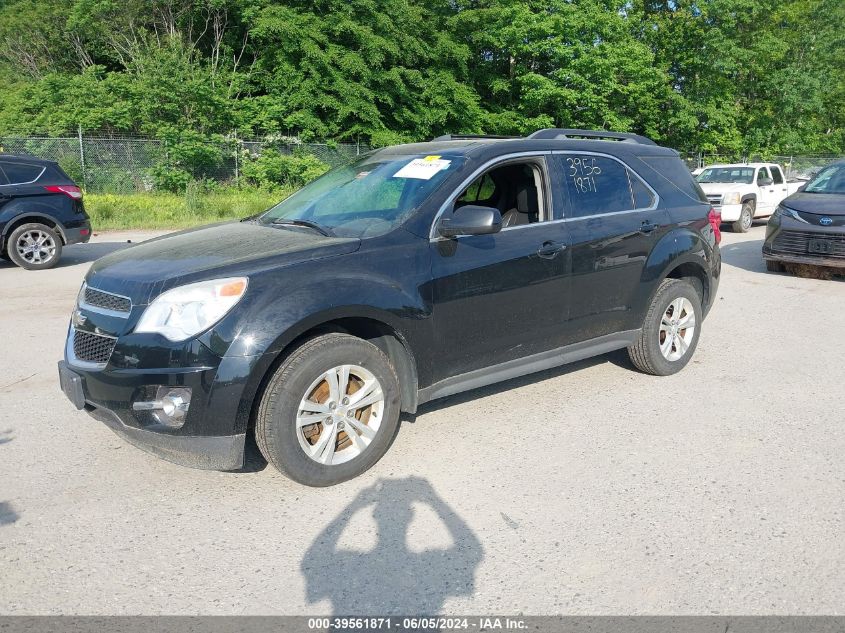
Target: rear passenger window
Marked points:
777	177
18	173
597	184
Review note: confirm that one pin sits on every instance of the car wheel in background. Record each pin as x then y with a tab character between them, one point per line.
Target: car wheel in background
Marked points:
330	411
34	246
670	330
746	218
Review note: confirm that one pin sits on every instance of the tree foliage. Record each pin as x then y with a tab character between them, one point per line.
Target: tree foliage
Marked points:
718	75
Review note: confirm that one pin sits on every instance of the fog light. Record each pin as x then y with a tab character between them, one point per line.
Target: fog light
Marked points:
170	406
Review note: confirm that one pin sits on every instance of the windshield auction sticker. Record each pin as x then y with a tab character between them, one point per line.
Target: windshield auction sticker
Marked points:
422	168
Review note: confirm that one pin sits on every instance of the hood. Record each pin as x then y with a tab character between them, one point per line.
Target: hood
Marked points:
220	250
817	203
723	187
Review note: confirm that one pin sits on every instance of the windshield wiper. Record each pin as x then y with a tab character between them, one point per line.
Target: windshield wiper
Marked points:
308	223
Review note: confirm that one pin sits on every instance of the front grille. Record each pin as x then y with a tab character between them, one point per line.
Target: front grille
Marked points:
797	243
92	348
715	199
106	300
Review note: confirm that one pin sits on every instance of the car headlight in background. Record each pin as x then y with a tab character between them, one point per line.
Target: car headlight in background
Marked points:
732	198
184	311
786	212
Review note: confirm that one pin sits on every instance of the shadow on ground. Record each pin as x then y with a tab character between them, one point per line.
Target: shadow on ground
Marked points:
80	253
7	514
745	255
390	578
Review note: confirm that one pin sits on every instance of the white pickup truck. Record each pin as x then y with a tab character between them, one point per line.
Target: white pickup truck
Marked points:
743	192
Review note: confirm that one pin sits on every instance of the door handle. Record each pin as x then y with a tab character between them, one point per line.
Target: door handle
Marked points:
647	227
549	250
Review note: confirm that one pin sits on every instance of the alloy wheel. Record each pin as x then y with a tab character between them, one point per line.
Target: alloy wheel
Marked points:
36	247
677	329
340	414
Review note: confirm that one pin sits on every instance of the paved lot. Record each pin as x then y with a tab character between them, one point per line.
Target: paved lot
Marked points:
719	490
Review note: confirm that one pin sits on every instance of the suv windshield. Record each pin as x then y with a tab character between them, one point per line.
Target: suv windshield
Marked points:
831	179
365	199
744	175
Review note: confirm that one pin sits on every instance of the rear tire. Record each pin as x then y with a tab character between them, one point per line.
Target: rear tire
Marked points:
670	330
305	419
34	246
746	218
775	267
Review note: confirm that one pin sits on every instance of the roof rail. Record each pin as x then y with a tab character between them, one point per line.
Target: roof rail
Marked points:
469	137
561	133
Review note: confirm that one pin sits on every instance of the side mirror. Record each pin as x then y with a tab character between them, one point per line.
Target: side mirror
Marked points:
765	182
471	220
802	186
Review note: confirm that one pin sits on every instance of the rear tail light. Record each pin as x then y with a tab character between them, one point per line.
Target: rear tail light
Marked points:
715	219
72	191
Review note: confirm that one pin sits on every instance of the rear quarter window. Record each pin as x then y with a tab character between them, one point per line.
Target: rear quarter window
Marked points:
21	173
673	169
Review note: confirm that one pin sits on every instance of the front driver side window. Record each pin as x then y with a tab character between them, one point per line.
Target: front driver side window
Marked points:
515	189
481	191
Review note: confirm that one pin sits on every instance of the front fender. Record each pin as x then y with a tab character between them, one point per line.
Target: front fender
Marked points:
272	320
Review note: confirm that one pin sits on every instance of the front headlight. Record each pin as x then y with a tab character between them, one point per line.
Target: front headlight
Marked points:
182	312
786	212
732	198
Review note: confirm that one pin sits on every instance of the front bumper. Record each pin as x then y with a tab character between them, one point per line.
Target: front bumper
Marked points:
223	388
730	212
793	242
213	452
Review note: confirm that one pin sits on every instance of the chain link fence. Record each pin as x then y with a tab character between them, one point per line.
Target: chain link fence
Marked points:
795	167
128	165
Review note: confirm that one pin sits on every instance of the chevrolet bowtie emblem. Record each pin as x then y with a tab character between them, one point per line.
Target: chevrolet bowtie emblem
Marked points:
79	318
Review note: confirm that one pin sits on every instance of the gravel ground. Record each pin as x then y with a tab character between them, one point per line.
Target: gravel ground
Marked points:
720	490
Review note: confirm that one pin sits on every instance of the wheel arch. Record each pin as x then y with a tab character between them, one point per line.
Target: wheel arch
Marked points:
749	197
31	216
682	254
377	331
695	273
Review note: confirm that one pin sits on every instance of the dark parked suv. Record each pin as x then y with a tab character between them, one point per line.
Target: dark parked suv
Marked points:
417	272
808	227
41	210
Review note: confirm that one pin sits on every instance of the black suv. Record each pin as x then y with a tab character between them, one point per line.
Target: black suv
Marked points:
417	272
41	210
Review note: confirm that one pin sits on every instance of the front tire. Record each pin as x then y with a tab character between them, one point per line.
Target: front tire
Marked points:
775	267
34	246
670	330
330	411
746	218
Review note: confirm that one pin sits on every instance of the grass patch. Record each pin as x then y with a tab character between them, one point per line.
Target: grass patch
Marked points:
176	211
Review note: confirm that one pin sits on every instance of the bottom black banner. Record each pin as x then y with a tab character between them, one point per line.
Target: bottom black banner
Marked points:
487	623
